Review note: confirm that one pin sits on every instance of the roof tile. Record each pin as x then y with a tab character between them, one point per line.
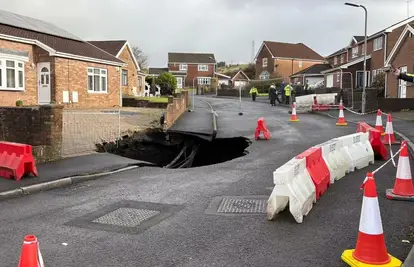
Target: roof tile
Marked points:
289	50
191	58
112	47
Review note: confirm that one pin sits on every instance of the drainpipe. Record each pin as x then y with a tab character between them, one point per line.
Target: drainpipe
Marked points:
340	82
120	86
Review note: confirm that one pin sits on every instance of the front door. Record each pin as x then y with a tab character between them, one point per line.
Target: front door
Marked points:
43	82
329	81
402	85
179	82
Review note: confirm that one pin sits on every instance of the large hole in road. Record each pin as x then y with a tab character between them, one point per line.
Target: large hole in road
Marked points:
177	151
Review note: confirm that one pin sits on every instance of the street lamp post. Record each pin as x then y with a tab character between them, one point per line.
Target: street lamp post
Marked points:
364	76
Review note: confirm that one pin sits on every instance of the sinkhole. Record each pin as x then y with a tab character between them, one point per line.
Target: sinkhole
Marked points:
178	150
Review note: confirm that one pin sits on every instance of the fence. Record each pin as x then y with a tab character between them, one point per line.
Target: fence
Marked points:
396	104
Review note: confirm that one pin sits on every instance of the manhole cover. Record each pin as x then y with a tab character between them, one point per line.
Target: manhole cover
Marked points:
238	205
126	217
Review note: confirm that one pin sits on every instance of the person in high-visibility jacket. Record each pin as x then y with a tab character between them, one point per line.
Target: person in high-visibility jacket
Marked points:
288	90
253	92
403	76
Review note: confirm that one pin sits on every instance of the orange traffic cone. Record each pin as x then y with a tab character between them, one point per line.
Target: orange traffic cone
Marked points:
403	187
294	118
341	119
378	122
389	137
31	256
370	248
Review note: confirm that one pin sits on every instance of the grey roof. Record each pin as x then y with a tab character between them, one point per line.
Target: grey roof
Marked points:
359	38
157	71
314	69
32	24
191	58
340	51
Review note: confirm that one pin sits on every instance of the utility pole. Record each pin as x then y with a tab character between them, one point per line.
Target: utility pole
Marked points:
252	55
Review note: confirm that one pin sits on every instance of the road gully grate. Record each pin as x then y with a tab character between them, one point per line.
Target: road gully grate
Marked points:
238	205
127	217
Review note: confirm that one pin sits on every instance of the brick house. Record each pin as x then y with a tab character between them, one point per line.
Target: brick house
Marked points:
276	59
240	79
312	75
192	69
347	63
42	64
133	80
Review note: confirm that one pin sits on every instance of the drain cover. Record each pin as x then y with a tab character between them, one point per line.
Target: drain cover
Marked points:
126	217
238	205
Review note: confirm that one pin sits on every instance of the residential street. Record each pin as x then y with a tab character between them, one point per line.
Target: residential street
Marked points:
187	232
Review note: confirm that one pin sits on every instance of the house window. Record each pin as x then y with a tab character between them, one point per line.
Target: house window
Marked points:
375	73
139	81
362	49
300	63
355	52
124	77
183	67
338	75
11	75
204	80
335	60
202	67
97	80
264	63
342	58
378	43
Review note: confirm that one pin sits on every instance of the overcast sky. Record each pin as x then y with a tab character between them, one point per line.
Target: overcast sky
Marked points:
226	28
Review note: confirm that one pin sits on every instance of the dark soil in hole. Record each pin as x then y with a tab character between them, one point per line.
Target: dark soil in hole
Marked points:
178	151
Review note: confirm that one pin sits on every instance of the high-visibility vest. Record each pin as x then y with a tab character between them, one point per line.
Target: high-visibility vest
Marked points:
288	88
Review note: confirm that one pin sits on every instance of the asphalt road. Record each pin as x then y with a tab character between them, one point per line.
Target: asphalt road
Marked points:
187	235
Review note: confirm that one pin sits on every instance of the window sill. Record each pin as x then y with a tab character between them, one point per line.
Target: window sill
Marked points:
377	49
97	93
12	89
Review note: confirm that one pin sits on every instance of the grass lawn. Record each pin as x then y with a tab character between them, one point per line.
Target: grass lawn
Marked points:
263	94
161	99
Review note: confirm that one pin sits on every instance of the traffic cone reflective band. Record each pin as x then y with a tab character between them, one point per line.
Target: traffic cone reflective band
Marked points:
294	118
403	187
370	248
31	256
378	122
341	119
389	137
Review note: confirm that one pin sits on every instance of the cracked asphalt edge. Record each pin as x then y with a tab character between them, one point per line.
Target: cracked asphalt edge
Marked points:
35	188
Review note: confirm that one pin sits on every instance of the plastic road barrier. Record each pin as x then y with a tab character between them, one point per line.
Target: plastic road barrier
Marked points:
293	185
16	160
334	159
357	150
374	138
317	169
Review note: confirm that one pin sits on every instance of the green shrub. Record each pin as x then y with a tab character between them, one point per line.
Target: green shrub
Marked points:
19	103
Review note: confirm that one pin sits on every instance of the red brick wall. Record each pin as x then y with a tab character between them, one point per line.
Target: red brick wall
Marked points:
72	75
176	109
132	72
29	95
259	62
287	67
404	57
39	126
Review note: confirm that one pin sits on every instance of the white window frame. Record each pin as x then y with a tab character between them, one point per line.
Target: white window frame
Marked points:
202	67
17	70
342	59
355	51
124	82
335	60
264	62
183	67
203	80
103	73
180	85
300	63
367	81
378	43
375	73
338	75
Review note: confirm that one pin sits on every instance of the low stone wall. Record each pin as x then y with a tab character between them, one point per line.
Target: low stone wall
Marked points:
141	103
176	108
39	126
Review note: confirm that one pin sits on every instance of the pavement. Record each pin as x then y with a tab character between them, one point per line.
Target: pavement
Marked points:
95	223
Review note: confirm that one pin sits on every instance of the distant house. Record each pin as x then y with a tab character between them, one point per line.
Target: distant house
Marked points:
277	59
223	79
43	64
192	69
311	74
132	77
155	72
240	79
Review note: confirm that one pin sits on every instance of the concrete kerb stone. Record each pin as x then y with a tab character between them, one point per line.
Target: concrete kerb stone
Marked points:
31	189
409	261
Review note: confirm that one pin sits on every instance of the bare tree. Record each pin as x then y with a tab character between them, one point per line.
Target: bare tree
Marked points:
141	57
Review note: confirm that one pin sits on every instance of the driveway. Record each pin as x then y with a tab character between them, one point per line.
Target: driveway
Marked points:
95	223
